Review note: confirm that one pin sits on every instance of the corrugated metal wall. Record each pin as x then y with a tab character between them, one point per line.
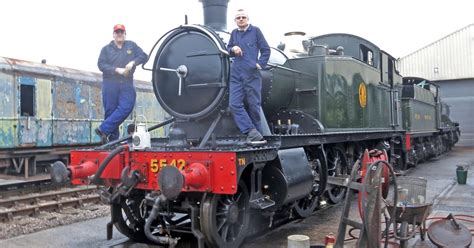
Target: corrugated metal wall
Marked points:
449	62
451	57
459	95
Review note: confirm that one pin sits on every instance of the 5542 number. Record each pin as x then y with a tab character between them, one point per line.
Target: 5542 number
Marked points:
156	164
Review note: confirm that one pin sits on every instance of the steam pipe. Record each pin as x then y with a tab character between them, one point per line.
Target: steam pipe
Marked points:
154	213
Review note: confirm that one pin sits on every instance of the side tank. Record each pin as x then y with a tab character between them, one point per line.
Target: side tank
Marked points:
419	105
343	83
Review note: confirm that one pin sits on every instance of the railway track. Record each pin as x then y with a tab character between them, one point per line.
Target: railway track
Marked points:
33	204
26	187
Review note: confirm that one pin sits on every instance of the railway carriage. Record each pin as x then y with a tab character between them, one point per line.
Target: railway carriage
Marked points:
46	110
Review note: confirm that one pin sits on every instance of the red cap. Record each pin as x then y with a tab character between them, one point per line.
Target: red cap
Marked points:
119	27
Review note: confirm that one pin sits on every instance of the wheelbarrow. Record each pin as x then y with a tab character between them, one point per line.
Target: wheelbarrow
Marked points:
411	209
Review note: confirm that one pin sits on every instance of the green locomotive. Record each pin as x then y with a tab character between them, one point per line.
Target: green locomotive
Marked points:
342	84
426	120
324	102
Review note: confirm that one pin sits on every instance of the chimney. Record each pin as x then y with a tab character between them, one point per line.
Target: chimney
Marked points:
215	14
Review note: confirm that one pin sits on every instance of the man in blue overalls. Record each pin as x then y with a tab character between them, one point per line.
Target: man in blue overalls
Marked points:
246	41
117	61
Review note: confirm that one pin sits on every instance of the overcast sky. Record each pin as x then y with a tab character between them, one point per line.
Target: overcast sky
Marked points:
71	33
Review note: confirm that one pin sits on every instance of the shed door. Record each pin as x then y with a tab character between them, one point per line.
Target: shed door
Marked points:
44	112
27	111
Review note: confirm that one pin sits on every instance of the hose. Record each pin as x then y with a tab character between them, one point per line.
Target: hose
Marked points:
96	178
162	240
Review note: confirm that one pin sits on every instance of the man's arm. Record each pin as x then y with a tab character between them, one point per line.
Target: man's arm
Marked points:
140	56
264	49
231	44
103	64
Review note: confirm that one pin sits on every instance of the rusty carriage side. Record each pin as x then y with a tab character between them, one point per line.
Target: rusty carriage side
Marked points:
46	110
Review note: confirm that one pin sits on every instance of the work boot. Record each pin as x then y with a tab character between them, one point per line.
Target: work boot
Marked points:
104	138
254	137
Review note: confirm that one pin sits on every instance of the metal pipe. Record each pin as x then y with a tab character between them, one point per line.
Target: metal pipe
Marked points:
213	37
291	70
162	240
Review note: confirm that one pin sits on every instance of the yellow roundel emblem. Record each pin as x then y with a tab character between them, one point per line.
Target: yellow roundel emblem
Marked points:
129	51
362	95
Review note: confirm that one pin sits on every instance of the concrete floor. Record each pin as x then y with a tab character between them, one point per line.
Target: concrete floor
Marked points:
441	176
448	196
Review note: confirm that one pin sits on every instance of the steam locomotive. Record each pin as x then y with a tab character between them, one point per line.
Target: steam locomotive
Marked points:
322	107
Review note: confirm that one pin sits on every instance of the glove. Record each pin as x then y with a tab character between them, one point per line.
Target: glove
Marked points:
122	71
130	65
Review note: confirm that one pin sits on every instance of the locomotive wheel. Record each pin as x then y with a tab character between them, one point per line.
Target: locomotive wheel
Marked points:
337	166
225	218
306	206
128	219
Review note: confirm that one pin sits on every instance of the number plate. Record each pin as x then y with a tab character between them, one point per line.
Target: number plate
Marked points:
156	164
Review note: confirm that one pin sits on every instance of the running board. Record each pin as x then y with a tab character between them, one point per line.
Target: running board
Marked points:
262	203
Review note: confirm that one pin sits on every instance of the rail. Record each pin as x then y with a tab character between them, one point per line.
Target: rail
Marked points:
49	201
26	187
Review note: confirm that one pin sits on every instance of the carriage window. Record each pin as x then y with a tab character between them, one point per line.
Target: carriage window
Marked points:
27	96
366	55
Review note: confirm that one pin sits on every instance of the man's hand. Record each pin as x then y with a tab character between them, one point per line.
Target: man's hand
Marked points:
130	65
259	67
120	71
237	51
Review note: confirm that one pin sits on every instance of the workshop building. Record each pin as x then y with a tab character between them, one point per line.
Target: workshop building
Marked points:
449	62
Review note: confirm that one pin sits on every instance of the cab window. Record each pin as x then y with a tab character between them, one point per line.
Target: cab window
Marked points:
366	55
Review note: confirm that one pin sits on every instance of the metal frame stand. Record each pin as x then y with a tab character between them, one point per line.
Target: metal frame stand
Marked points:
370	230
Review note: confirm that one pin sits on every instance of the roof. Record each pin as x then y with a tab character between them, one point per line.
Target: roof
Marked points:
445	37
23	66
351	43
449	58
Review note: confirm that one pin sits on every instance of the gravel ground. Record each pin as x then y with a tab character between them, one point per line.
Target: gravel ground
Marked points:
23	225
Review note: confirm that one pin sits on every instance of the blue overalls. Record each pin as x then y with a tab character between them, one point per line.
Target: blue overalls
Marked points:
118	91
245	79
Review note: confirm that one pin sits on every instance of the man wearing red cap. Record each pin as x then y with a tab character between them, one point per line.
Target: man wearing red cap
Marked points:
117	61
